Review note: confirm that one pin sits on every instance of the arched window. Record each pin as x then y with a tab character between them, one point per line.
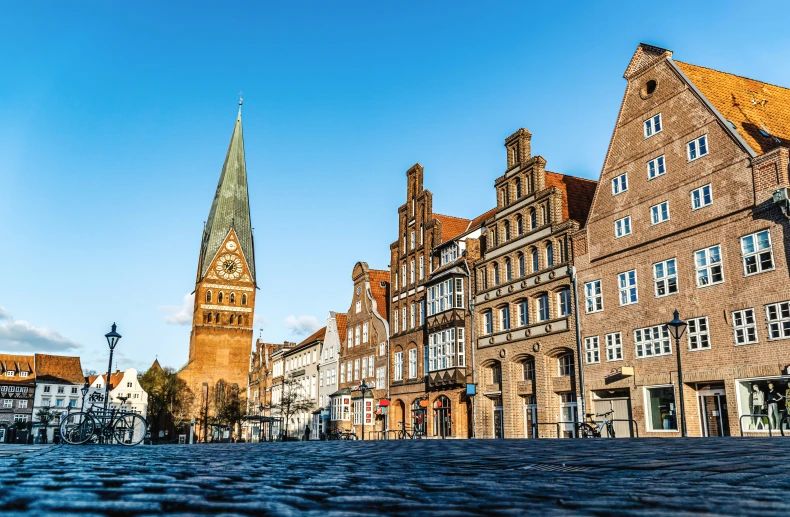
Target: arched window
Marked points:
542	214
232	319
565	365
208	296
528	368
244	299
535	261
216	317
488	322
543	307
207	318
520	224
549	254
496	273
533	218
508	270
442	418
521	267
507	230
220	297
564	302
518	188
504	318
523	313
496	373
561	251
233	298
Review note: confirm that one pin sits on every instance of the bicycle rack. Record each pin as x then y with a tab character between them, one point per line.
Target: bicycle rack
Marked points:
537	428
767	420
630	421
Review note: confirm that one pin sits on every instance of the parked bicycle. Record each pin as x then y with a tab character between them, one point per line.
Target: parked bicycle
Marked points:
592	429
413	434
339	434
103	425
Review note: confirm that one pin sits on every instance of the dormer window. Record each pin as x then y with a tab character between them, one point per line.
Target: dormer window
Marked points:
23	374
9	373
449	254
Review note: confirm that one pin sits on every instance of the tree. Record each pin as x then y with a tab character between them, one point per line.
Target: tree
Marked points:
228	404
170	401
294	400
88	373
45	415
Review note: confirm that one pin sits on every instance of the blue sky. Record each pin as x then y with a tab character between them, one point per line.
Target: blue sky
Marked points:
114	122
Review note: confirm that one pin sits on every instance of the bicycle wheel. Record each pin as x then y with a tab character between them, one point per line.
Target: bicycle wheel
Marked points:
587	431
610	429
77	428
129	429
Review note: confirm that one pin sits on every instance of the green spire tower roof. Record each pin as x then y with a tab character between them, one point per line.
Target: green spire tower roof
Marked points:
230	208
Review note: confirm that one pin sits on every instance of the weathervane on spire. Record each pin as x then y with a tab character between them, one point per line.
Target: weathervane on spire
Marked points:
241	98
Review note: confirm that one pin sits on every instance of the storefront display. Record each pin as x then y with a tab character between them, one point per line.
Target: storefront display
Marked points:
763	402
660	407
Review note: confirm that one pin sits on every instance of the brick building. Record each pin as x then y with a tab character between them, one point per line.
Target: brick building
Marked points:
419	231
363	356
448	332
259	389
526	353
221	338
17	388
685	220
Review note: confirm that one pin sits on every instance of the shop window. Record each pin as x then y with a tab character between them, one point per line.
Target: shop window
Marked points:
765	398
661	411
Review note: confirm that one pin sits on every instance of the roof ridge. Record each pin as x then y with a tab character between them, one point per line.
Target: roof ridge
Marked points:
734	75
451	216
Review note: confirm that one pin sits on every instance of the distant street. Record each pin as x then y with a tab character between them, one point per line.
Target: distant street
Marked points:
412	477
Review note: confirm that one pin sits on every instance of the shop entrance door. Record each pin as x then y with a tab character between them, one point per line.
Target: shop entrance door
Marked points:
713	415
499	426
530	417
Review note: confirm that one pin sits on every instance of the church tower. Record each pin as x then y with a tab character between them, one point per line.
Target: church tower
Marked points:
221	338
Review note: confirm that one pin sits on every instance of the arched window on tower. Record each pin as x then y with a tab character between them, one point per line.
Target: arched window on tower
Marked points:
209	318
208	296
216	317
244	299
233	298
232	319
220	297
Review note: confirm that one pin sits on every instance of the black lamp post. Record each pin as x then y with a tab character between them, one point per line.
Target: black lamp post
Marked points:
85	388
260	422
677	327
363	387
112	340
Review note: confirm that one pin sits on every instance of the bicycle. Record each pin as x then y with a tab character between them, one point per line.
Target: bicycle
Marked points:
591	429
338	434
124	427
404	433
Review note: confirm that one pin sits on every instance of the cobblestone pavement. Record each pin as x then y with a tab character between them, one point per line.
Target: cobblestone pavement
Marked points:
734	476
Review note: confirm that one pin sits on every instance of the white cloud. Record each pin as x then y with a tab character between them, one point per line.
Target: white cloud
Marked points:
20	336
180	315
260	321
302	325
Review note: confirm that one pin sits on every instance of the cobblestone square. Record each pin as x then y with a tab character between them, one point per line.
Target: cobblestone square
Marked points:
410	477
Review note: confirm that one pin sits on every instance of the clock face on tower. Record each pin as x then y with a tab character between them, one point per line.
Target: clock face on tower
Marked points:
229	267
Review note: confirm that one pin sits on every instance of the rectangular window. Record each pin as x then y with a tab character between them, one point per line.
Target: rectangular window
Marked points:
659	213
371	360
592	350
652	341
665	275
359	307
364	367
8	403
413	363
413	316
411	271
459	293
653	125
403	316
777	316
627	287
504	318
22	404
356	336
356	369
543	307
528	367
701	197
461	346
489	322
698	336
661	411
655	168
523	313
398	367
395	321
365	332
412	236
48	388
422	267
403	274
350	338
61	389
564	302
593	296
622	227
614	346
381	377
758	255
707	263
442	349
381	348
697	148
620	184
449	254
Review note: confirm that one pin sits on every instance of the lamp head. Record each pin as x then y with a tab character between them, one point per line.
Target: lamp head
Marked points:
85	388
112	337
677	326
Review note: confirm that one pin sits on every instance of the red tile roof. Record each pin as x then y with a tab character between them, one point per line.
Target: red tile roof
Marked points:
342	324
750	105
316	336
578	196
59	367
451	226
17	363
379	292
480	219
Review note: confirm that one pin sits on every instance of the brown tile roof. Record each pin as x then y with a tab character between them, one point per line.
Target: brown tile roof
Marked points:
451	226
750	105
93	378
17	363
59	367
379	292
342	324
480	219
578	196
315	336
115	379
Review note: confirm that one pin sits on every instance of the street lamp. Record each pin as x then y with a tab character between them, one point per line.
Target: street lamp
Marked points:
112	340
85	388
677	327
363	387
260	421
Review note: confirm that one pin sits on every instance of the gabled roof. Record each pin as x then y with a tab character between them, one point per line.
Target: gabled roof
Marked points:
230	208
379	291
312	338
760	112
342	323
59	368
579	193
156	366
17	363
480	219
451	226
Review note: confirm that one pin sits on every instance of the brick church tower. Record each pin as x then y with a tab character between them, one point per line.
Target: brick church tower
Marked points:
221	338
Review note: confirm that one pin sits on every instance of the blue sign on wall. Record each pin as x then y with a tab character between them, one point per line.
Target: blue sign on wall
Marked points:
471	389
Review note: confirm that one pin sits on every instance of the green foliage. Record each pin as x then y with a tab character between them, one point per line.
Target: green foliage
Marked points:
168	396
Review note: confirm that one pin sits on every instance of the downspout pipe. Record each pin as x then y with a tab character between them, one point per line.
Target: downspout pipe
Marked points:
583	401
474	363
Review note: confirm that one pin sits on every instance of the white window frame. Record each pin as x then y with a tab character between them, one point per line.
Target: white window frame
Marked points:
413	363
698	197
365	332
564	302
659	213
356	370
658	163
666	280
705	265
622	227
620	184
398	367
623	290
652	342
593	296
648	408
614	347
777	319
756	253
356	335
695	145
504	318
592	350
698	333
740	323
442	350
422	267
541	305
650	124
